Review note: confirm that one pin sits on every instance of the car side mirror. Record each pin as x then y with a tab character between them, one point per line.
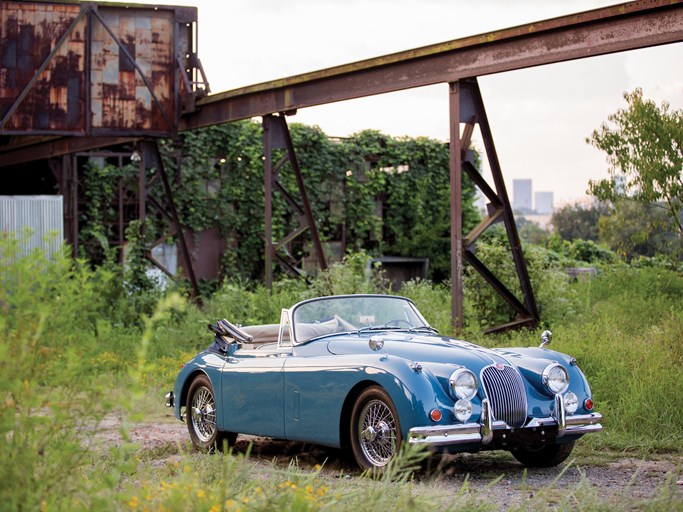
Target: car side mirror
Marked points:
546	338
376	343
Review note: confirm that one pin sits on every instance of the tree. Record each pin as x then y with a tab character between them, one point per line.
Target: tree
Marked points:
634	229
578	222
530	232
644	146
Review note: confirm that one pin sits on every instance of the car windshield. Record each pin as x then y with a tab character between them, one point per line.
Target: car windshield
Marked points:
357	313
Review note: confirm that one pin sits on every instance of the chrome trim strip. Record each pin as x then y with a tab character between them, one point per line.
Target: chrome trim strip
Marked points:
472	433
584	429
580	419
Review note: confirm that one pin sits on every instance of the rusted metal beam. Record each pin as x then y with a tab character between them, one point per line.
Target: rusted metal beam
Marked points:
475	102
276	136
612	29
151	158
467	107
455	158
58	147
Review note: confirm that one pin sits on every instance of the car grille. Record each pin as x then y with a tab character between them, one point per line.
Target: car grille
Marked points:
506	393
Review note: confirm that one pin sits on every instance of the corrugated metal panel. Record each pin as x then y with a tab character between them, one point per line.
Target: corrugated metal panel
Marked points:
42	215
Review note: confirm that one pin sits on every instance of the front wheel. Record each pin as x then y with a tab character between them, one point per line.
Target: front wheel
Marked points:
201	417
544	457
375	429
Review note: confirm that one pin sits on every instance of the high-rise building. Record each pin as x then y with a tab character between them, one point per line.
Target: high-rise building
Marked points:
521	196
544	203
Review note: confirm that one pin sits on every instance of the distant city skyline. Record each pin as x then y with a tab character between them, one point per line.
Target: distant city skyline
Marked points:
522	194
543	203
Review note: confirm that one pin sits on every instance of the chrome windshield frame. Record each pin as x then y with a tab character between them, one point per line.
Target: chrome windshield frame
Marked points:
296	333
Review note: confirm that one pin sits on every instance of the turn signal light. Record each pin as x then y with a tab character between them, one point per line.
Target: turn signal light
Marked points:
435	414
588	404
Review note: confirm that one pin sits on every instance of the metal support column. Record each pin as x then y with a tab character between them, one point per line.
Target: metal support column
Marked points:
455	151
268	179
276	136
152	159
471	111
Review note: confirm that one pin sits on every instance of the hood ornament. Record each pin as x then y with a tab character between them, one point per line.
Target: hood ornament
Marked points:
546	338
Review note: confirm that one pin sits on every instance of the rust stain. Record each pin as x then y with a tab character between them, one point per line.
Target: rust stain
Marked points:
131	90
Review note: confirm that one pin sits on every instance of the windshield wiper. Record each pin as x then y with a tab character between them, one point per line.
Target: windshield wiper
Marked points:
423	328
379	328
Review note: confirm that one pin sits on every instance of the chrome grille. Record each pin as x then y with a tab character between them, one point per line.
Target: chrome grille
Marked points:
505	390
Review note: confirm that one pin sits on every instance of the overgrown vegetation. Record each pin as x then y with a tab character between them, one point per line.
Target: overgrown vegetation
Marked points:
67	354
385	195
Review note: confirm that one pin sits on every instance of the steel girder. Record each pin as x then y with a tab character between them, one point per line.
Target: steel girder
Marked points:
612	29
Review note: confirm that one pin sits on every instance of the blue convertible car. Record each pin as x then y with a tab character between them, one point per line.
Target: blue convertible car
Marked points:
367	372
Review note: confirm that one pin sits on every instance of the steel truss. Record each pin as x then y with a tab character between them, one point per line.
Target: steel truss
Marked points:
276	136
467	107
146	152
637	24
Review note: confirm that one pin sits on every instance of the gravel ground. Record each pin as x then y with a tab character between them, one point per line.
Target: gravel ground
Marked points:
495	475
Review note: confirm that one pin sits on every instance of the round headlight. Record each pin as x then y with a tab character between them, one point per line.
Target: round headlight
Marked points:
555	378
463	384
462	410
571	403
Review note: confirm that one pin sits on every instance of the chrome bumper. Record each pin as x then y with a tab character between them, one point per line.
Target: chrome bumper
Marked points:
170	399
483	431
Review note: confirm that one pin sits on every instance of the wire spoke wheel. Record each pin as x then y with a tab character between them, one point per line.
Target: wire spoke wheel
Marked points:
376	432
203	413
202	417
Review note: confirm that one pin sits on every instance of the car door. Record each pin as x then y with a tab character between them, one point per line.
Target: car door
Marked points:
252	401
315	386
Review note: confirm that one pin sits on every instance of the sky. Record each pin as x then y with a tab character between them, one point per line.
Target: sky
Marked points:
539	117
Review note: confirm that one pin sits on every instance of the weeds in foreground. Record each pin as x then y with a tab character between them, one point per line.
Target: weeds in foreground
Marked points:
66	362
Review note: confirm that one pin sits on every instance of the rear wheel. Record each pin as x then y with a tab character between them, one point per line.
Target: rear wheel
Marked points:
375	429
544	457
201	417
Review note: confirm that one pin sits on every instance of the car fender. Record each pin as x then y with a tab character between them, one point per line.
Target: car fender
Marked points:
207	363
414	392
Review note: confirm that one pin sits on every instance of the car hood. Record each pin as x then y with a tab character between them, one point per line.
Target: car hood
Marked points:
440	355
422	349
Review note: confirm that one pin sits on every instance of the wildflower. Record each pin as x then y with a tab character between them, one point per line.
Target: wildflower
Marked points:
133	502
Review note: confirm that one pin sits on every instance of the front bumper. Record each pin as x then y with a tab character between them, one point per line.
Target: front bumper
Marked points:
484	432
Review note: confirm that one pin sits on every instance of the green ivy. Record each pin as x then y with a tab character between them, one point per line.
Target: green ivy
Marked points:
383	195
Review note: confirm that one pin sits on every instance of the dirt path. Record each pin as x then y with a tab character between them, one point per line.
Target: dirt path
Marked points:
495	475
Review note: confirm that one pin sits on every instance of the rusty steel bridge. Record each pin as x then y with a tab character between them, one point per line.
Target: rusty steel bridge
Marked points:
79	77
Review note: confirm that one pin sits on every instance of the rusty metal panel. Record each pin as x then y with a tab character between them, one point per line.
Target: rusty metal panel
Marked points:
32	36
94	69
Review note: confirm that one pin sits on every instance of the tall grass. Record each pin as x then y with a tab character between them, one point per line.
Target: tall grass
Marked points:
68	358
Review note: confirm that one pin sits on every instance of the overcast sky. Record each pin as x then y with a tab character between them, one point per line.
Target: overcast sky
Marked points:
540	117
